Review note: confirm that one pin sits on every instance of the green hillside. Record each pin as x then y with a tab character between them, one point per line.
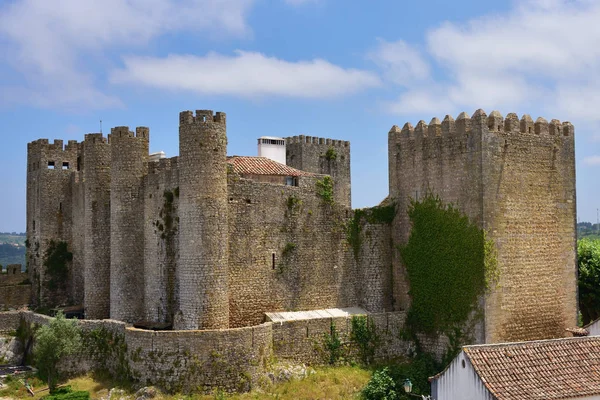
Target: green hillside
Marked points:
12	249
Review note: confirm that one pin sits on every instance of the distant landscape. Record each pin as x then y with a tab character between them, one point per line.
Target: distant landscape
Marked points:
588	230
12	249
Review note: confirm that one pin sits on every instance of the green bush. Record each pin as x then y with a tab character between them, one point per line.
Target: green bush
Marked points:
381	387
53	342
588	259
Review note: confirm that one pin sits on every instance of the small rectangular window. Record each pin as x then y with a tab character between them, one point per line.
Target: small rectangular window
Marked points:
65	165
50	164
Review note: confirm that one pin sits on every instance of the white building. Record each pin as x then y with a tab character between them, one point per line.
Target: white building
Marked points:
545	369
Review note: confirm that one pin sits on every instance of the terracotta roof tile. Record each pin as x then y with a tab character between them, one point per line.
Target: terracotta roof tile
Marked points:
545	369
262	166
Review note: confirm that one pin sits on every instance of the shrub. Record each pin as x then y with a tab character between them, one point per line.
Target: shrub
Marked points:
53	342
381	387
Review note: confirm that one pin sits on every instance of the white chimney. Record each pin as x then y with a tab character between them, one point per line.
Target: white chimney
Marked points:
272	147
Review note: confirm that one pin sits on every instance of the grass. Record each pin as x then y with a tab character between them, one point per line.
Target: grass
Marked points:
326	383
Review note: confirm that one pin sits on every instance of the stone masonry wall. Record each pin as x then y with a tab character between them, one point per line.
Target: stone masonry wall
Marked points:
232	359
161	240
129	165
97	226
302	341
48	210
374	286
443	158
529	210
323	156
515	179
288	250
203	251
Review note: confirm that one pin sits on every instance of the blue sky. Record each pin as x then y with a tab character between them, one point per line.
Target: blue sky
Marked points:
343	69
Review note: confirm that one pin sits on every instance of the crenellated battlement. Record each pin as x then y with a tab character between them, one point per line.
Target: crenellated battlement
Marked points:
95	138
141	132
495	122
202	116
57	145
316	140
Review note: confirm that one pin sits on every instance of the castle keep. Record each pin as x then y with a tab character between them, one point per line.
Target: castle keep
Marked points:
206	241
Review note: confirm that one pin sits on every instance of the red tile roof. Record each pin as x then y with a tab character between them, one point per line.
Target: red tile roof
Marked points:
544	369
262	166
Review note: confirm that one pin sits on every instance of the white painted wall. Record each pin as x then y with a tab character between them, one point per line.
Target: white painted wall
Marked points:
463	383
459	382
272	147
594	328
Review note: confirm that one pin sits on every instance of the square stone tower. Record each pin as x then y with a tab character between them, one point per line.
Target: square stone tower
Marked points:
516	180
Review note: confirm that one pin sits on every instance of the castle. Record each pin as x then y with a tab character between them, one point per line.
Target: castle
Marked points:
206	241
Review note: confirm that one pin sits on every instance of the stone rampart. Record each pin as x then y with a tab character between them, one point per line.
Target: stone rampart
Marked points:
302	341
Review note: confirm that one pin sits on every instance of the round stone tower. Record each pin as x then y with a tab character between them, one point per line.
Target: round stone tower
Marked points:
202	272
96	259
129	164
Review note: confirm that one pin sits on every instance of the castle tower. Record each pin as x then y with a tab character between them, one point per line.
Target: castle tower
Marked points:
322	156
96	259
49	168
129	164
203	240
516	180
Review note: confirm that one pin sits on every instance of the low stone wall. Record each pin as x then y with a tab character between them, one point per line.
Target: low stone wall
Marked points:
178	361
15	296
182	361
230	359
302	341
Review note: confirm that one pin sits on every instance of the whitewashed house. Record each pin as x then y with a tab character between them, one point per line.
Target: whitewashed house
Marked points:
566	368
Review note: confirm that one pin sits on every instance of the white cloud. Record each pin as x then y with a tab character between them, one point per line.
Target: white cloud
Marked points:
401	63
53	43
247	74
592	160
542	53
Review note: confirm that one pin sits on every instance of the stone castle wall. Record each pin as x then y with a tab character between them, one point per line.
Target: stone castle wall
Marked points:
129	166
49	208
529	210
288	250
516	180
96	251
161	240
202	269
323	156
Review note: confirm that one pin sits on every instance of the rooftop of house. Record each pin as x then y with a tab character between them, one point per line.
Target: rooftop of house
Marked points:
543	369
262	166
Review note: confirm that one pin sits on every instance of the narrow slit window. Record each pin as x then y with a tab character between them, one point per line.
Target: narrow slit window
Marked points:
50	164
79	163
65	165
273	260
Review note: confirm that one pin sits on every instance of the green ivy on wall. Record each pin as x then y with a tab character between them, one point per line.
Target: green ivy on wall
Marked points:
449	264
56	263
375	215
325	189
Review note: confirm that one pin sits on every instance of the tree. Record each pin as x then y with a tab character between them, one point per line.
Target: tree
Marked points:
54	342
588	260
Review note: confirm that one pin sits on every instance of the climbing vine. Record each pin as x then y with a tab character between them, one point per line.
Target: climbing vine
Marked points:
56	263
450	264
325	189
364	336
383	214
